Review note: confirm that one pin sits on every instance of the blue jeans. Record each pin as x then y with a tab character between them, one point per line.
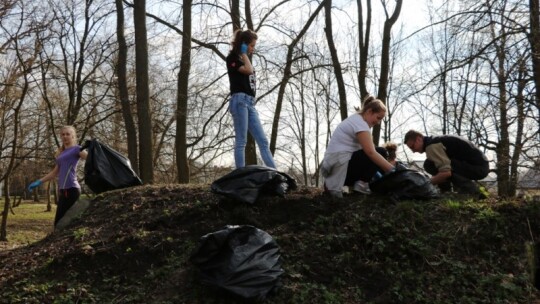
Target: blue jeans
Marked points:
246	118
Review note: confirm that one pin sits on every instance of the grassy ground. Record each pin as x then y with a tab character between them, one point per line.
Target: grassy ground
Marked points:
30	223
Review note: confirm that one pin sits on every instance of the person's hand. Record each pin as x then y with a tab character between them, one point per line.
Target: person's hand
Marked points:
391	171
86	145
34	185
243	48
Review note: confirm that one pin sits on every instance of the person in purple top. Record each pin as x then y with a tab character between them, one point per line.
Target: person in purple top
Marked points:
65	170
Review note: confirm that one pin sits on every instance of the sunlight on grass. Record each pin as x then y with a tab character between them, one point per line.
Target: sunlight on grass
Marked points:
452	204
30	223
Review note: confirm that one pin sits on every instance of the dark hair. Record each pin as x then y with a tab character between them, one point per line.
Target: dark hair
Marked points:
373	104
411	135
391	148
240	37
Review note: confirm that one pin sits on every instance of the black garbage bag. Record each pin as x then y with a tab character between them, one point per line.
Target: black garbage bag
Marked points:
248	183
106	169
241	260
405	184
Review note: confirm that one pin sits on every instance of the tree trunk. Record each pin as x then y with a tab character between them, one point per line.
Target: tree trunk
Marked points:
25	67
385	63
48	192
121	73
146	165
182	162
3	225
534	39
363	46
335	60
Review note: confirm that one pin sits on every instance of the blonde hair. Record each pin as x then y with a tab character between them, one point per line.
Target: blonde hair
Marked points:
373	104
74	133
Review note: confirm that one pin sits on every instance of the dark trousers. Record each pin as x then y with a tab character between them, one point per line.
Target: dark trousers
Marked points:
463	174
461	168
361	167
66	199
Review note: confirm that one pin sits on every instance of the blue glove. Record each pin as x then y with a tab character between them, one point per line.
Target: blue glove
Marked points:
34	184
243	48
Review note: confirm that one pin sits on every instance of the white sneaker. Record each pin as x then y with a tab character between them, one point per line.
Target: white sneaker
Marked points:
362	187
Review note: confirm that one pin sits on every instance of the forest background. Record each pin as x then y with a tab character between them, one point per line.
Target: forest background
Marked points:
148	78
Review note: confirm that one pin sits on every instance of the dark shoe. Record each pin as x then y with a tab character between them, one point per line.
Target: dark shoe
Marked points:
464	185
467	188
445	187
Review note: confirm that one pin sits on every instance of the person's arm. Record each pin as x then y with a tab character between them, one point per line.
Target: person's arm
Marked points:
83	154
51	175
440	177
437	154
246	68
364	138
47	177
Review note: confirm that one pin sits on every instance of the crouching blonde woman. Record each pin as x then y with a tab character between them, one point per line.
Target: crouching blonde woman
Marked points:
351	158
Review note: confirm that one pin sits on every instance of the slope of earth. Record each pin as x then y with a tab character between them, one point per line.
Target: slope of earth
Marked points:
133	246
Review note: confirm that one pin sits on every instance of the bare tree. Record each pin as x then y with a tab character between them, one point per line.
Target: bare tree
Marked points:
125	102
182	99
287	74
363	44
534	40
335	59
485	85
146	165
385	59
24	49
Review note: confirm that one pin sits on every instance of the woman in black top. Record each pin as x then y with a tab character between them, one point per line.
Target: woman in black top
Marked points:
242	104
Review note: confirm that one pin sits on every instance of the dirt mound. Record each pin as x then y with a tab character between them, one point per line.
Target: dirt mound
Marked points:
133	246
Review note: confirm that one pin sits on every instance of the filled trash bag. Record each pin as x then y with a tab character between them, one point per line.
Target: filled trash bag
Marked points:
405	184
242	260
248	183
106	169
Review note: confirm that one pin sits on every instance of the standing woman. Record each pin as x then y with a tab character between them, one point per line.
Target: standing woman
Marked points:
351	158
242	105
67	159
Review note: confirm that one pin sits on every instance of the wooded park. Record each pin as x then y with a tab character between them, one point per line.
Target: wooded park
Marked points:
148	78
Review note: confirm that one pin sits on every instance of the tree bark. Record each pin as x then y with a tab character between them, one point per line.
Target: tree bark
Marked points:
182	162
363	45
534	39
385	63
146	165
335	60
121	73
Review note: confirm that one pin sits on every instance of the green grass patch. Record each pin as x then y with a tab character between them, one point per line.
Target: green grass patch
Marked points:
30	222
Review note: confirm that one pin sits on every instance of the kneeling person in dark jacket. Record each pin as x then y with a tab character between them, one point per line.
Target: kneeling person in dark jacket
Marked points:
451	160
